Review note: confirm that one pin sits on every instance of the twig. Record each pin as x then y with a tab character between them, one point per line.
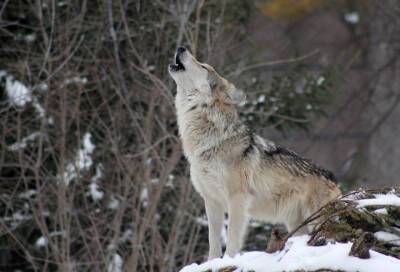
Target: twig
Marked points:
275	62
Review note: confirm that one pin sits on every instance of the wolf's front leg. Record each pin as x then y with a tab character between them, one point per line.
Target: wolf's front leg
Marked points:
237	222
215	216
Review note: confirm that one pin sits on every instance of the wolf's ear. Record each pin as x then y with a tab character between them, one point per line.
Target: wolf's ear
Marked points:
238	97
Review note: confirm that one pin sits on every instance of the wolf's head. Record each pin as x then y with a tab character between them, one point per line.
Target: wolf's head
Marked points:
201	80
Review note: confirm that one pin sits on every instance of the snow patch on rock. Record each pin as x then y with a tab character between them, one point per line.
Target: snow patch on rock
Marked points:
380	199
388	237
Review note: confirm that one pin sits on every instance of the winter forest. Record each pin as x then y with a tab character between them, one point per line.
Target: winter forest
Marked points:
92	173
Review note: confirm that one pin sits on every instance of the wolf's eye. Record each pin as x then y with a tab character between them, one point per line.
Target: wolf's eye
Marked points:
203	66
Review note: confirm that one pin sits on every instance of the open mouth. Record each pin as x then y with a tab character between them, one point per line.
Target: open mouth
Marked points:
178	66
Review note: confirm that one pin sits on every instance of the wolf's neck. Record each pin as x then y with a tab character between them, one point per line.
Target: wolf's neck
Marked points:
203	126
190	97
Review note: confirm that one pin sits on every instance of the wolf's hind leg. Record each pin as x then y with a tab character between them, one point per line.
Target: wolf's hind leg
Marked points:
215	216
237	222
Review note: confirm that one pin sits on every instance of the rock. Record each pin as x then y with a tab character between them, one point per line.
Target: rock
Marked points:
319	241
276	242
227	269
362	245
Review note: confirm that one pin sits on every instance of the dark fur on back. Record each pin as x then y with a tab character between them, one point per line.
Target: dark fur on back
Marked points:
296	164
287	159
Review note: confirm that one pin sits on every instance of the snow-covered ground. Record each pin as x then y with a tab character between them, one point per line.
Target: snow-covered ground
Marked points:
297	255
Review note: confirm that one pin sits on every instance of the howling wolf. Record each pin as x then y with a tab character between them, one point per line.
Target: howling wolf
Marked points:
235	170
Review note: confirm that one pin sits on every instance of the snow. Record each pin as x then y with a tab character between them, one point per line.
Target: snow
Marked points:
62	3
381	211
75	80
380	199
18	216
18	94
15	220
24	142
126	236
261	98
352	17
42	87
114	203
388	237
320	80
41	242
144	195
30	37
297	255
28	194
170	182
155	180
116	264
39	109
202	221
83	160
99	173
94	191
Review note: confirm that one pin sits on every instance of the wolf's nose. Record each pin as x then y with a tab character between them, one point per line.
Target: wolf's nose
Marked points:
180	50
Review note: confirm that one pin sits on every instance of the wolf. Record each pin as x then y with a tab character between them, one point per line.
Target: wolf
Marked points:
232	168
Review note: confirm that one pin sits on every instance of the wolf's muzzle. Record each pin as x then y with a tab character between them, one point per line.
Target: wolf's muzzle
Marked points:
178	66
180	50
